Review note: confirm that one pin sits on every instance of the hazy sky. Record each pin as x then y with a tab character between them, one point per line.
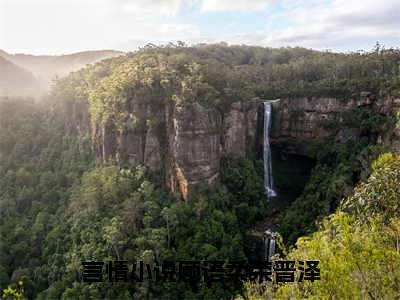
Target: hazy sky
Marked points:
64	26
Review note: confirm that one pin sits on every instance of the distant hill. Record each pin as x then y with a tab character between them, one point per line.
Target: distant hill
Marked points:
16	81
48	67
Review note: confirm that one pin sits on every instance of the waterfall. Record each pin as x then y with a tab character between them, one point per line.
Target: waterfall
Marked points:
268	183
269	244
269	249
269	234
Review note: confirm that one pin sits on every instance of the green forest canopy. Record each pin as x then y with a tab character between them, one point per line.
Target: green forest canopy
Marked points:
60	206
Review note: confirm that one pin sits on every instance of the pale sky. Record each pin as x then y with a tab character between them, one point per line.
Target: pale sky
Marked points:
65	26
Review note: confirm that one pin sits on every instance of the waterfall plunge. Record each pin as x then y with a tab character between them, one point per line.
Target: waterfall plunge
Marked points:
269	249
269	235
268	182
269	244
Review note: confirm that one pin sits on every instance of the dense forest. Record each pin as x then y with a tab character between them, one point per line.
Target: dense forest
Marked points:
61	203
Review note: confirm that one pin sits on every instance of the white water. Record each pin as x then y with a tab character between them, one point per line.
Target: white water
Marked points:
269	244
268	182
271	251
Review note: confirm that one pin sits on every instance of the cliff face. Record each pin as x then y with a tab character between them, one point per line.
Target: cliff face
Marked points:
188	140
198	137
239	131
298	122
194	143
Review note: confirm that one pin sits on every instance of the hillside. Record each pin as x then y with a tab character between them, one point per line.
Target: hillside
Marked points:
16	81
158	156
357	246
46	67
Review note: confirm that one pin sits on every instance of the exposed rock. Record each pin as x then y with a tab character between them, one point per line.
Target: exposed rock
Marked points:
297	122
189	139
234	129
152	157
386	105
251	126
182	182
194	143
347	134
131	146
109	145
138	142
365	99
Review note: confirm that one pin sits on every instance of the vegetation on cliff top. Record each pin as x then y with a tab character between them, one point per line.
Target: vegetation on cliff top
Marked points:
217	75
58	206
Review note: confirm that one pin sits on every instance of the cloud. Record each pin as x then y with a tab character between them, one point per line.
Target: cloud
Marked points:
340	25
62	26
172	7
48	26
163	34
233	5
148	7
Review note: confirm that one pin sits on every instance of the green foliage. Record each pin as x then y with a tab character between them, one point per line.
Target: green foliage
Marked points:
59	210
38	165
366	120
217	75
378	197
337	170
243	178
13	293
118	214
58	207
358	253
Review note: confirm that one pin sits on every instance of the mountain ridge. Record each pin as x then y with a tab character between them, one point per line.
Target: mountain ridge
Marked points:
46	68
16	80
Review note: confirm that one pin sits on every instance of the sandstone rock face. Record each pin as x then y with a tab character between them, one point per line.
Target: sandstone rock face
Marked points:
131	147
347	134
239	132
198	138
194	143
109	145
298	121
301	118
152	151
252	119
195	138
234	128
188	140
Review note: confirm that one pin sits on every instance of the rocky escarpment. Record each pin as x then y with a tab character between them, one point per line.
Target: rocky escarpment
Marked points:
198	137
297	122
194	143
240	129
186	141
